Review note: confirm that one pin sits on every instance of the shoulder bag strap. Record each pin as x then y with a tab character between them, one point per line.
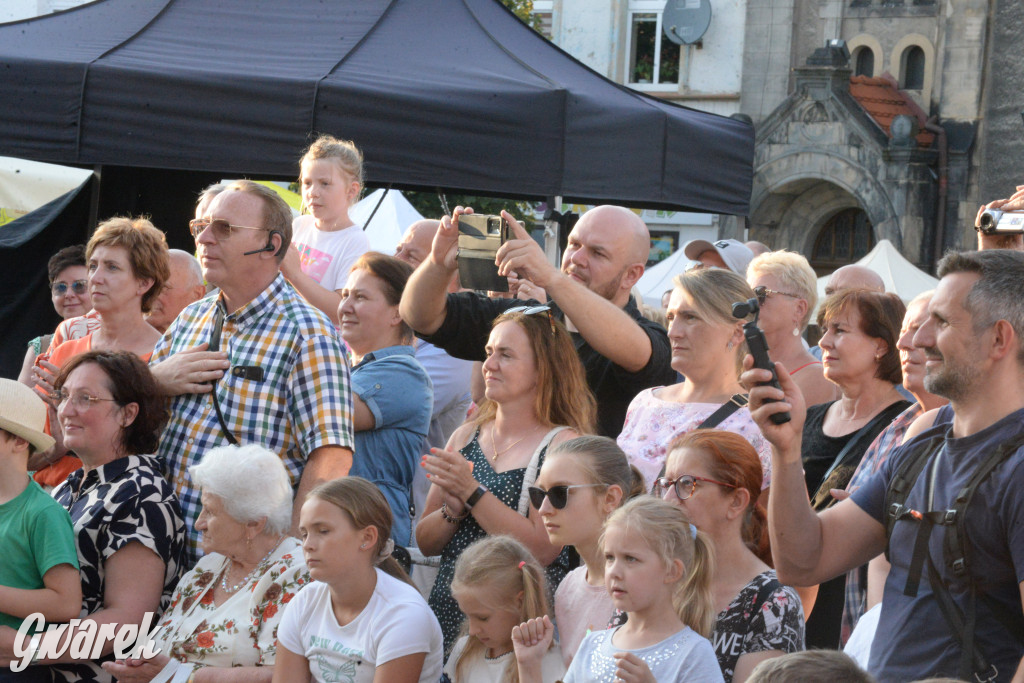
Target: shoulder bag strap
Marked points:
716	418
532	469
218	324
822	498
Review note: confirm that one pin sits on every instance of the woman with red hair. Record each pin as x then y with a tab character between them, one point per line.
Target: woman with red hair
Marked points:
715	477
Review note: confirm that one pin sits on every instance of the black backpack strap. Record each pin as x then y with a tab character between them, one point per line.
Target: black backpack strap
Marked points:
903	480
763	595
716	418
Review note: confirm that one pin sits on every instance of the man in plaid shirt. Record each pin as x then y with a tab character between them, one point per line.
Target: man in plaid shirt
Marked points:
275	363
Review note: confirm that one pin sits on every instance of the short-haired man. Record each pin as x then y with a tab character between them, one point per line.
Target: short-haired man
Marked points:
184	286
972	342
725	254
854	276
280	377
621	351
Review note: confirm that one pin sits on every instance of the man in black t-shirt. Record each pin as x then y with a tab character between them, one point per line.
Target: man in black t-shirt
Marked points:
621	351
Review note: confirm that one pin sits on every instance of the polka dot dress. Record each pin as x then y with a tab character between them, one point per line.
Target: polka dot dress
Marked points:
507	486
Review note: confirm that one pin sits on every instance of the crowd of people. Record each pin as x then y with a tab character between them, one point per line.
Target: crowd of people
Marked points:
298	459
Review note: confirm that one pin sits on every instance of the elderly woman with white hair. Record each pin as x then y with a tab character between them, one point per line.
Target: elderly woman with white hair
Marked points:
786	288
223	619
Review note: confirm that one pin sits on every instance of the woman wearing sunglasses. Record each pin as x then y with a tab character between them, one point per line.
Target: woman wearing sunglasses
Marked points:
707	348
536	395
581	483
70	295
715	477
786	288
128	266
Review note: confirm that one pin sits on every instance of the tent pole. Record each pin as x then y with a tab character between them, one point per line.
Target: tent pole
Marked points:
94	201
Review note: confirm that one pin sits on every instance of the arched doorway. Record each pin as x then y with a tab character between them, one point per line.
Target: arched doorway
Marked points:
844	238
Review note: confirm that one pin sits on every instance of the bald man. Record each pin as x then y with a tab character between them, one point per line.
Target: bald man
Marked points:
183	287
621	351
854	276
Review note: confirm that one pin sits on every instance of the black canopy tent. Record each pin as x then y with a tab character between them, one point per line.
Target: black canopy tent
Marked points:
456	94
453	94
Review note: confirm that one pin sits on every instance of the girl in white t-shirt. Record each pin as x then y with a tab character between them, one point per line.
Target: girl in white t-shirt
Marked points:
658	570
498	584
325	241
583	480
360	620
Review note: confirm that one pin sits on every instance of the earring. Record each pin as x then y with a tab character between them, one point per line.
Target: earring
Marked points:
729	345
796	331
362	547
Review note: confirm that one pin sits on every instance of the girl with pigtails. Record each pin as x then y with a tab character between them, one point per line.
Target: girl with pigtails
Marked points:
498	584
658	569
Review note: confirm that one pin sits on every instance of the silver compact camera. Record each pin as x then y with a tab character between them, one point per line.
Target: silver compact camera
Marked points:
480	236
995	221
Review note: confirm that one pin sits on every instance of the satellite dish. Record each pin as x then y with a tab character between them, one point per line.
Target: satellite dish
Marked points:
685	21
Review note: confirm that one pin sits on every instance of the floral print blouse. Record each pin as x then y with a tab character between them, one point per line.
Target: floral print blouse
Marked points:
242	631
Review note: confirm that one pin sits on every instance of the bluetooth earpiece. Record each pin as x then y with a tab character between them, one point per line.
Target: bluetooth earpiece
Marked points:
269	246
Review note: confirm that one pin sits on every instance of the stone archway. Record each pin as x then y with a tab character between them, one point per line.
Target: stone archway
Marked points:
795	194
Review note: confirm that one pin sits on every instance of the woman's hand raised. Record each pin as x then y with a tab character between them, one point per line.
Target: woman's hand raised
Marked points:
766	400
450	471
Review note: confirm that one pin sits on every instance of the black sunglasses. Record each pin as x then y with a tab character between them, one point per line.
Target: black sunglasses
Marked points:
558	495
61	288
686	484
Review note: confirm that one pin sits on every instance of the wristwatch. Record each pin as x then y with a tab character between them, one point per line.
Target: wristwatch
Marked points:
475	497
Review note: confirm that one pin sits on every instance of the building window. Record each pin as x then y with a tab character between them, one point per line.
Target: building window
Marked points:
864	62
912	68
845	237
543	10
653	58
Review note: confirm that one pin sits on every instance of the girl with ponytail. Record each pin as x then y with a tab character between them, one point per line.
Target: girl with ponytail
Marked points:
360	619
658	569
582	482
715	477
498	584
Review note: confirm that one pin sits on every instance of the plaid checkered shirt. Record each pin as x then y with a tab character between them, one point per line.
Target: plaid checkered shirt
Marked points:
302	402
874	457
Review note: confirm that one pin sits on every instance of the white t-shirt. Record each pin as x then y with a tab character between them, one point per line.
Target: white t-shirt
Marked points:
328	256
580	609
396	622
483	668
682	657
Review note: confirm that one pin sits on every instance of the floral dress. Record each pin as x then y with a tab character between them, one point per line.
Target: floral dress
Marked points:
242	631
507	486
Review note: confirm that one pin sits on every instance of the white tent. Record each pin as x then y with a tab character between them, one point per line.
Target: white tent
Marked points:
27	185
658	278
389	223
900	275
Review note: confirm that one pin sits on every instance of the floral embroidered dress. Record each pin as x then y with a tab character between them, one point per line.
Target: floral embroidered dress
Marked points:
242	631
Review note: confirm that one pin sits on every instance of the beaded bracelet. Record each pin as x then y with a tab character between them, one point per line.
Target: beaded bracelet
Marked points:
448	518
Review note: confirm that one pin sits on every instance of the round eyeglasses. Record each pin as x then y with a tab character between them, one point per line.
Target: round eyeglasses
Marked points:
686	484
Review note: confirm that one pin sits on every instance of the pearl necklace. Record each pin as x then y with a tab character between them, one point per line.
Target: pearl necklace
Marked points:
248	577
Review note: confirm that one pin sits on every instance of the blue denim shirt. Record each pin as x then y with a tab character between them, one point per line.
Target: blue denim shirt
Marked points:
398	392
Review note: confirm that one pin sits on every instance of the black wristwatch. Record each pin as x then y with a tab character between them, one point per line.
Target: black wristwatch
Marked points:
475	497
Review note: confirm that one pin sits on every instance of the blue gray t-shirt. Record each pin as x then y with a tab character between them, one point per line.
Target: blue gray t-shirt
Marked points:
913	640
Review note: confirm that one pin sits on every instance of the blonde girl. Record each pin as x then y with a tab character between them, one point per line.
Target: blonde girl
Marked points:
360	620
498	585
658	569
325	241
582	482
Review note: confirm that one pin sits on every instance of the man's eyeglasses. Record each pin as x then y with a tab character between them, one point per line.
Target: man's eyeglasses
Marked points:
558	495
686	484
61	288
763	292
81	401
530	310
222	230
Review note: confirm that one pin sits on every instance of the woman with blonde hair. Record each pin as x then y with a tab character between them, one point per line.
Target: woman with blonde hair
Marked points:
325	241
707	349
786	288
536	395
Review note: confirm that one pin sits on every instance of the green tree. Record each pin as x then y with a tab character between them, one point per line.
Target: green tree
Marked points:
524	10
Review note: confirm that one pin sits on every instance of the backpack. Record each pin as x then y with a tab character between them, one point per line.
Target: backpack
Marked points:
974	665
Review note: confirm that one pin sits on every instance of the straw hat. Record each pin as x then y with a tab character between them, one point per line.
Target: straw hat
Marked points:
23	413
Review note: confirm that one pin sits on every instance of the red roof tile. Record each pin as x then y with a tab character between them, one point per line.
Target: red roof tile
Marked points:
883	101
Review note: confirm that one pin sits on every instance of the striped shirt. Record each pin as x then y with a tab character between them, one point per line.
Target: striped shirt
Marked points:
302	402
